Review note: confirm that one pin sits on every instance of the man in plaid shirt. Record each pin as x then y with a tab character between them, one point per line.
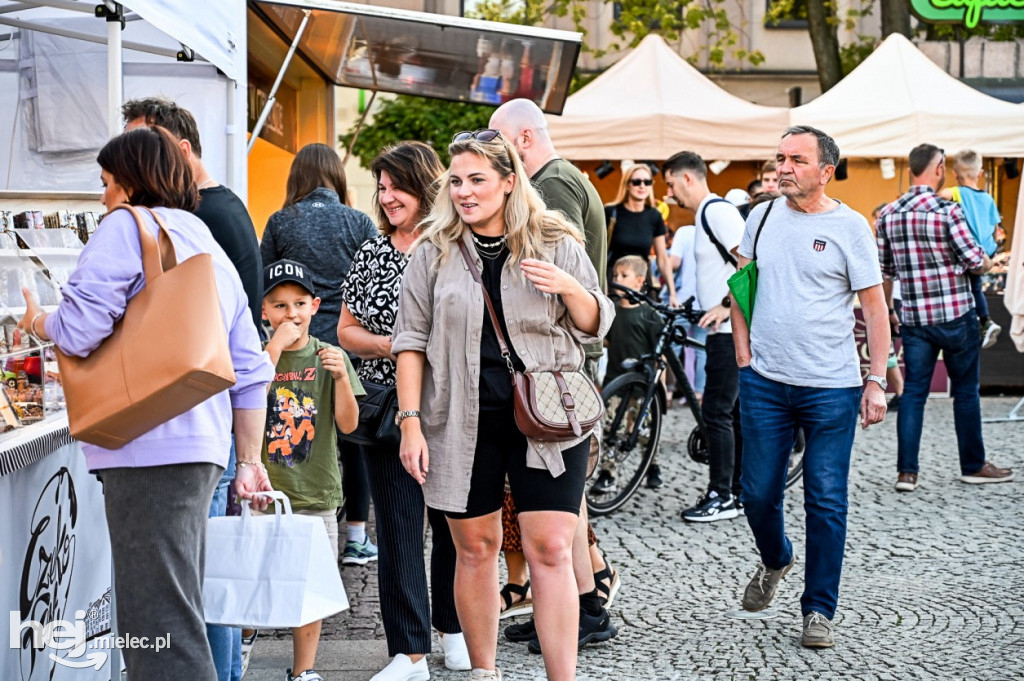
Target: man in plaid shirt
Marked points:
924	241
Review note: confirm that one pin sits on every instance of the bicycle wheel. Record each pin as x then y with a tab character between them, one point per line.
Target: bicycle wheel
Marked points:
621	467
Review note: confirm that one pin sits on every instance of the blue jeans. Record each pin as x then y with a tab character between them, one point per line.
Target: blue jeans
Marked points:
770	413
225	642
960	344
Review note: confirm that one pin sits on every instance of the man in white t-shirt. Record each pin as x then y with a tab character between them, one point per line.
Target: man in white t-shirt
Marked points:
718	234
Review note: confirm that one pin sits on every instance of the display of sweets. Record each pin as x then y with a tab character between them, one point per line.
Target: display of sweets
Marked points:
30	219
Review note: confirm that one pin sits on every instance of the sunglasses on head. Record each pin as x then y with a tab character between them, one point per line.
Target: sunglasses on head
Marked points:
481	135
636	182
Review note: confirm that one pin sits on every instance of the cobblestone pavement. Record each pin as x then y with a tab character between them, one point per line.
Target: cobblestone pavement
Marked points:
933	583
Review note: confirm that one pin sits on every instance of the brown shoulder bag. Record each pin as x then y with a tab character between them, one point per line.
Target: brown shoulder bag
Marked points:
168	352
551	406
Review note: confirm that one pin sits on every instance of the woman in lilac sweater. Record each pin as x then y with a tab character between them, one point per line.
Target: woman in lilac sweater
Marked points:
157	489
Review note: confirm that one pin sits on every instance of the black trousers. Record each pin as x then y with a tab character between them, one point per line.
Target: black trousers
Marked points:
722	415
354	484
405	604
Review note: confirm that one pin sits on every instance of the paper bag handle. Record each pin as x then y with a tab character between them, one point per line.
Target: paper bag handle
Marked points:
282	501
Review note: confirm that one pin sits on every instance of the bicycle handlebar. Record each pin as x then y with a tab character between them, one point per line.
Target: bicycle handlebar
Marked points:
685	310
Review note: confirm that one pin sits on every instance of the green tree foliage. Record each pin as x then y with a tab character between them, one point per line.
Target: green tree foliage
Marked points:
407	117
670	18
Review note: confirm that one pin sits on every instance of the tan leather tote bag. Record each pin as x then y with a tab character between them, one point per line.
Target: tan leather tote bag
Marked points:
168	353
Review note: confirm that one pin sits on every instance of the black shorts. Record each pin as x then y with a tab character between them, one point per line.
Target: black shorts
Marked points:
501	451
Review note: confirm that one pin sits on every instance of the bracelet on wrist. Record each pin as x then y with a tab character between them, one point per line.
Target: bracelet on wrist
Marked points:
32	325
255	464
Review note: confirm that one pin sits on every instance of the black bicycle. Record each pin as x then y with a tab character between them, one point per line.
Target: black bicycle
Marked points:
635	404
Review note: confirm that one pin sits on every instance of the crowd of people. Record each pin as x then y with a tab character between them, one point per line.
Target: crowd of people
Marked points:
511	232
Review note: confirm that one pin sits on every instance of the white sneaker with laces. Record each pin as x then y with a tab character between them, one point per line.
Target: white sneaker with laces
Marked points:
402	668
456	654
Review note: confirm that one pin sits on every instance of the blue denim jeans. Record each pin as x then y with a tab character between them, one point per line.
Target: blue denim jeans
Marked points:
770	413
960	344
225	642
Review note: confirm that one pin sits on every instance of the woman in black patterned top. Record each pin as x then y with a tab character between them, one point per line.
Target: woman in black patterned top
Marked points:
406	176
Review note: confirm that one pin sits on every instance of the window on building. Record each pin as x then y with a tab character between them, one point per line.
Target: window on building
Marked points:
784	14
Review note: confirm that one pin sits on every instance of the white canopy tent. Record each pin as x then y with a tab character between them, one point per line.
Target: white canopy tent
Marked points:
898	98
652	103
64	74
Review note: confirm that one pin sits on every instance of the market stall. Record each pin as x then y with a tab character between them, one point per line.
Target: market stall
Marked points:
65	68
652	103
382	49
898	98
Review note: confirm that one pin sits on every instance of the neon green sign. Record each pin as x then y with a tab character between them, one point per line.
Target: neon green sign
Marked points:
968	12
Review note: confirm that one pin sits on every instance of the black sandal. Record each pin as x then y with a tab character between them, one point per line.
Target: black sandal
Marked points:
510	607
607	582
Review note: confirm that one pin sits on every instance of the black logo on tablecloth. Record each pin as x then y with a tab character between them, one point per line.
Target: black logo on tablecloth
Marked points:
49	562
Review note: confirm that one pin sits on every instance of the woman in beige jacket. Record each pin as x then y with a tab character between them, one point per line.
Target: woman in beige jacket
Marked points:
459	436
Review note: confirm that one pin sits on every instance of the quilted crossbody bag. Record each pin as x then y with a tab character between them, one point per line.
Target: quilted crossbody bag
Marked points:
551	406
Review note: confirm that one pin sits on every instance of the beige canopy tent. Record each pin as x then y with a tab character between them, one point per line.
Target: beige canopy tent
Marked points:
652	104
898	98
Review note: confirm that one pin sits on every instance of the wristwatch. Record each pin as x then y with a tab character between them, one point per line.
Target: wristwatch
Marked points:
403	415
880	380
727	301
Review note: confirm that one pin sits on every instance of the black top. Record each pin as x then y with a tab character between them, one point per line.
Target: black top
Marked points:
634	233
232	228
371	293
634	332
323	234
495	380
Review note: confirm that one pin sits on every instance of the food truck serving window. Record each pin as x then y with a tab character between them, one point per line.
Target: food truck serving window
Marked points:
430	55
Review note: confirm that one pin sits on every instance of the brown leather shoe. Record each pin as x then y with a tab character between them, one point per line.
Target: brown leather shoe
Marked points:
906	482
988	473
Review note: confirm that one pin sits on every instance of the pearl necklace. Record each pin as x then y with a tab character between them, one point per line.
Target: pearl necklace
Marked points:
489	245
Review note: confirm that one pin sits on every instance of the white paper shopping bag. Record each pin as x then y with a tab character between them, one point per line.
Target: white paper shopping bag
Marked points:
271	571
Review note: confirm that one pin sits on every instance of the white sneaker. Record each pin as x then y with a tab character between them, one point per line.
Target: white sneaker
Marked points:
485	675
247	644
402	668
989	334
456	654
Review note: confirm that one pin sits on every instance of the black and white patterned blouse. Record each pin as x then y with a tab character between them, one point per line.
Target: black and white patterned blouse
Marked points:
371	293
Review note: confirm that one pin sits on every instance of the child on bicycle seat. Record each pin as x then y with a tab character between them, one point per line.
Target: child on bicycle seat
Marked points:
635	329
634	333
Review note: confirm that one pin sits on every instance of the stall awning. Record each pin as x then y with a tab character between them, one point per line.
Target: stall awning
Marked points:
430	55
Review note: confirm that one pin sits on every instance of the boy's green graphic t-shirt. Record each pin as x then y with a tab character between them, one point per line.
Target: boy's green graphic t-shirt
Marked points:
300	449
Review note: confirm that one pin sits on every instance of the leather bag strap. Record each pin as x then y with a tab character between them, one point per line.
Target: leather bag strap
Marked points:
568	403
475	271
726	255
158	254
761	226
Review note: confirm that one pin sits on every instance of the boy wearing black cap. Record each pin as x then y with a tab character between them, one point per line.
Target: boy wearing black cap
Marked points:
301	458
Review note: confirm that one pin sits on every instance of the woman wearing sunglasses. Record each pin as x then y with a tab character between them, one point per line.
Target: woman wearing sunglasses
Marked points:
634	225
459	435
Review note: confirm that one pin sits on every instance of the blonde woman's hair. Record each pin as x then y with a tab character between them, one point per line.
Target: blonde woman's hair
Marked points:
967	163
633	264
532	229
627	175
